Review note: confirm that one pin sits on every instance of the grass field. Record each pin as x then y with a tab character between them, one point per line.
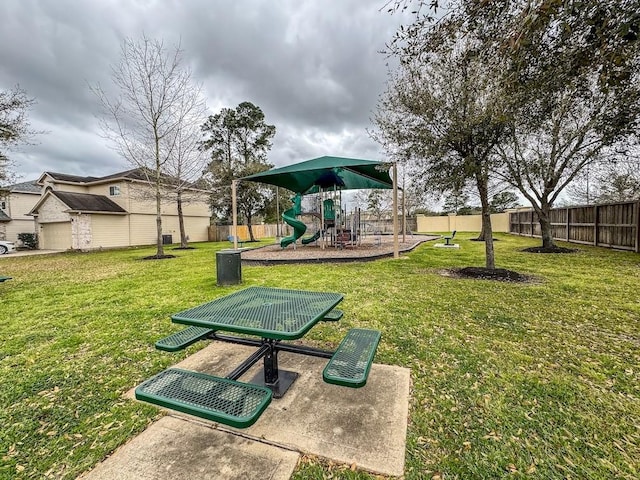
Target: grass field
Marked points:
537	380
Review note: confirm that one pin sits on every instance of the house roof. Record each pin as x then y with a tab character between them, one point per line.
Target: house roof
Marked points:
24	187
133	174
86	202
68	178
4	217
136	174
81	203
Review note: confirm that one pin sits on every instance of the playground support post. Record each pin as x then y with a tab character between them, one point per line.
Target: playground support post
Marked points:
404	210
396	253
322	226
277	212
234	213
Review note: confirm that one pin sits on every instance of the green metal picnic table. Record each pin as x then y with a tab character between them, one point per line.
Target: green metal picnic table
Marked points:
273	315
267	318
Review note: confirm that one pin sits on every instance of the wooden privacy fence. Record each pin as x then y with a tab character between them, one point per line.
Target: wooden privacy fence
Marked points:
614	225
218	233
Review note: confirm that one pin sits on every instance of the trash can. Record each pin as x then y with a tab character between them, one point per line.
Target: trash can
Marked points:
228	267
167	239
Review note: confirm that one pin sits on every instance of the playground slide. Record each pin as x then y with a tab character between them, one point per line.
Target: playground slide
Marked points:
316	236
298	227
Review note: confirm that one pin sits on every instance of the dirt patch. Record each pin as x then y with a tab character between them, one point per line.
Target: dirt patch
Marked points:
482	273
550	250
158	257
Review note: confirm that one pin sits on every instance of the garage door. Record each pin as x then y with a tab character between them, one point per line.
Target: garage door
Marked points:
55	236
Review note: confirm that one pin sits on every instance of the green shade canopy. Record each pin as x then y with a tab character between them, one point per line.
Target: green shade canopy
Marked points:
328	173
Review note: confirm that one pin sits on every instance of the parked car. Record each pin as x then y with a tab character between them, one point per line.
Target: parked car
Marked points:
6	247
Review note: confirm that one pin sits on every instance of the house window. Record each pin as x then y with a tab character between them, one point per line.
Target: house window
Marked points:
114	190
3	205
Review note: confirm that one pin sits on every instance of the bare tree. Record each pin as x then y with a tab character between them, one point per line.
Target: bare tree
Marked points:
14	125
186	160
143	122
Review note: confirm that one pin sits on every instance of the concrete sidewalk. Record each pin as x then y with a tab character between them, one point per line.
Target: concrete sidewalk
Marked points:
29	253
365	427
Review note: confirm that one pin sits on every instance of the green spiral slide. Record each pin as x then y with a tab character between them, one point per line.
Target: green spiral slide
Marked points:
289	216
316	236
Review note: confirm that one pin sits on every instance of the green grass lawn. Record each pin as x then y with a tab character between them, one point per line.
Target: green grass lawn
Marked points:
536	380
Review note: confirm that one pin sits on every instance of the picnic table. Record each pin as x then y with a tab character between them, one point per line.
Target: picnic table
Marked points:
267	318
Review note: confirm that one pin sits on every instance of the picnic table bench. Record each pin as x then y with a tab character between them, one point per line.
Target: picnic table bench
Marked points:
4	279
218	399
350	364
448	238
280	315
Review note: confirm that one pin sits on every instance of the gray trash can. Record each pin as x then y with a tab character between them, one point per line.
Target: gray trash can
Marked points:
228	267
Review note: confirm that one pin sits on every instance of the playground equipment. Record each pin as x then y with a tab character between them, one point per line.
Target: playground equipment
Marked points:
327	217
289	216
326	174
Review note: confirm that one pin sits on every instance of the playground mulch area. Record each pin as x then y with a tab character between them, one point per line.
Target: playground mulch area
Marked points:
369	248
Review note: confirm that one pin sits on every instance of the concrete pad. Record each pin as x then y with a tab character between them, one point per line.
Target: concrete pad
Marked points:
363	426
182	450
444	245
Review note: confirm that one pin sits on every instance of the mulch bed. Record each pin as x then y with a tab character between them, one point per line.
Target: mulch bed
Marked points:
550	250
482	273
158	257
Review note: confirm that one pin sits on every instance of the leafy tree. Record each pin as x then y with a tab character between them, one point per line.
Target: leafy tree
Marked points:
455	200
541	157
146	121
443	112
14	125
570	70
612	182
238	141
503	201
278	203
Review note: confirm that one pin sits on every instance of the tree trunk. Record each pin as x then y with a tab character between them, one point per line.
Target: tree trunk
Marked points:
249	227
160	248
544	218
487	231
183	234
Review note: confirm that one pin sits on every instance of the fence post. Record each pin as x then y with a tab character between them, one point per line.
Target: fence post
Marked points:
568	222
637	227
595	225
531	224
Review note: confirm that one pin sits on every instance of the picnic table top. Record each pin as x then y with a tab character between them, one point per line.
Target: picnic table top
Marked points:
262	311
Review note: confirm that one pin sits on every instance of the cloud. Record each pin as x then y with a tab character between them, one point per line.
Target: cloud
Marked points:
313	67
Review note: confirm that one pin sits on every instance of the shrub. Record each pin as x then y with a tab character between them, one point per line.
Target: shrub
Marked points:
29	240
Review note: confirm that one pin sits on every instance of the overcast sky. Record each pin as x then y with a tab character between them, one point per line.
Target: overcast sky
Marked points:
313	67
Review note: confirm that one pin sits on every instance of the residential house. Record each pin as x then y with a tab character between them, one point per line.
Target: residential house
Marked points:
15	205
88	213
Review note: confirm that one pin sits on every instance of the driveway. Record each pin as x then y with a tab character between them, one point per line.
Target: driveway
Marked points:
24	253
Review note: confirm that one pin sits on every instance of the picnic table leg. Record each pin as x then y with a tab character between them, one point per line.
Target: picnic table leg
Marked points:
273	378
271	367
